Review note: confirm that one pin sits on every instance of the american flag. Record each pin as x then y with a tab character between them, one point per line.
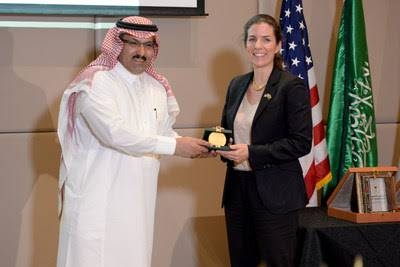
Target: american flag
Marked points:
298	60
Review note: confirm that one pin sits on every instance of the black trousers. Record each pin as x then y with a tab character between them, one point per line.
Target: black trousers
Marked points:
254	233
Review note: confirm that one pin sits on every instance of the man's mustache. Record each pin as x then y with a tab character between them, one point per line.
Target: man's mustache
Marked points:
139	57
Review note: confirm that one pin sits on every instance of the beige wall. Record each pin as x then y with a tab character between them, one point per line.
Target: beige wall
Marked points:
199	55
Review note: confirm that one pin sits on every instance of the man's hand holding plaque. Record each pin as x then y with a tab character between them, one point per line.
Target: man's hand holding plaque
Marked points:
218	137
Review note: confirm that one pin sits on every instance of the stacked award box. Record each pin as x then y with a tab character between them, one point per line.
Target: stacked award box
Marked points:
366	195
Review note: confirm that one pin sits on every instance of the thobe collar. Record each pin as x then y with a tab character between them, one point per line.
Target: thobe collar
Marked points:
129	77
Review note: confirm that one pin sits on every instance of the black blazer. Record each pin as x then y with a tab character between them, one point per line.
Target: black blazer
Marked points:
281	133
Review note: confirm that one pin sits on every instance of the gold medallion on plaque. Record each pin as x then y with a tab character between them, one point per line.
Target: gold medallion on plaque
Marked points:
218	137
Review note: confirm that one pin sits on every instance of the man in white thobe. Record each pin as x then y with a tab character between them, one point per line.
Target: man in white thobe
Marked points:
115	121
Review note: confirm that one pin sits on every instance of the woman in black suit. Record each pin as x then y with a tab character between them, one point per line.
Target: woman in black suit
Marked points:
269	111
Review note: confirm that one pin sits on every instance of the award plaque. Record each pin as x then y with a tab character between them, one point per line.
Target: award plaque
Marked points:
218	137
366	195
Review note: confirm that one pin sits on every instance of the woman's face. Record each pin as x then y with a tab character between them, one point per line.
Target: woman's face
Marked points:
261	45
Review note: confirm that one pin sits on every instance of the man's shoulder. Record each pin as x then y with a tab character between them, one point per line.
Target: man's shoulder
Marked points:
106	81
103	74
153	82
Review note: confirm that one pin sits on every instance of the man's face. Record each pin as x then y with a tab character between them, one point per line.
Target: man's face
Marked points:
137	53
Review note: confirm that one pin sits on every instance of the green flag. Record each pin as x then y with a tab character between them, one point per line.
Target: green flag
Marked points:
351	130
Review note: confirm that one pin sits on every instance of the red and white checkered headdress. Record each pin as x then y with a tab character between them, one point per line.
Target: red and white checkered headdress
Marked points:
111	48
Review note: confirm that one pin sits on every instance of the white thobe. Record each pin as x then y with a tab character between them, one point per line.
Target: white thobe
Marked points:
110	167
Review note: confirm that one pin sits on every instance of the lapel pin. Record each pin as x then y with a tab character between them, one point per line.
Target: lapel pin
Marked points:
268	96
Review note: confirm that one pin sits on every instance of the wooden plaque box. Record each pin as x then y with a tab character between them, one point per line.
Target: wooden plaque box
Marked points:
366	195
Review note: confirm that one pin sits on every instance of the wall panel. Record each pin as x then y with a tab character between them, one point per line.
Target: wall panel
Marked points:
199	56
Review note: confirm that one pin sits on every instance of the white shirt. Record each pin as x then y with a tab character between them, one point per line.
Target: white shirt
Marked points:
110	168
242	128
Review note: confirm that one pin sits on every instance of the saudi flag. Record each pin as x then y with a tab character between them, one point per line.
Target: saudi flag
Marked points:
351	130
